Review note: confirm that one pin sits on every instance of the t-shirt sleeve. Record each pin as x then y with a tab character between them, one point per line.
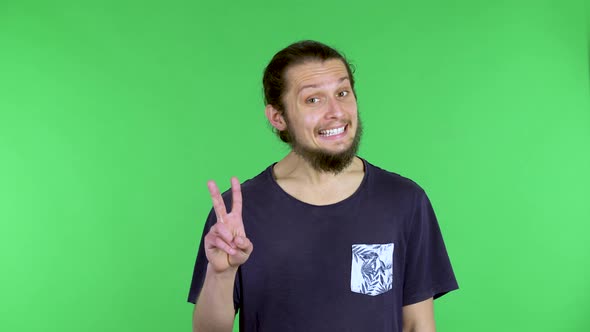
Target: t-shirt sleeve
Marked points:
428	271
200	269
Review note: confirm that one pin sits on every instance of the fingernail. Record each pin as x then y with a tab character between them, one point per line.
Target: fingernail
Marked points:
239	240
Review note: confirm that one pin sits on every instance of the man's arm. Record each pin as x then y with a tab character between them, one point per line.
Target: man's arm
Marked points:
214	310
226	247
419	317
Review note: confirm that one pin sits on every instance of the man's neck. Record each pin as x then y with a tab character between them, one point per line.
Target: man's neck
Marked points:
300	180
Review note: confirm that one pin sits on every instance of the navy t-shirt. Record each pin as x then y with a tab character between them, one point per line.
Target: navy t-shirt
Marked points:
348	266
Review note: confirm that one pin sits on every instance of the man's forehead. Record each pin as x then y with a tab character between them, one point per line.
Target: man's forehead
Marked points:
316	73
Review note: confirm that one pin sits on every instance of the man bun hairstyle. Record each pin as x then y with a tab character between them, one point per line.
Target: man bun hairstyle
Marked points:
274	80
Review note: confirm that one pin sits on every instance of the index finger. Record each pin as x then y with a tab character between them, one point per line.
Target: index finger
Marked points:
218	204
236	194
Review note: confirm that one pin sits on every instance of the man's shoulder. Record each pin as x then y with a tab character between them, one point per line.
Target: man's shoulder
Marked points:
261	181
388	180
260	187
254	185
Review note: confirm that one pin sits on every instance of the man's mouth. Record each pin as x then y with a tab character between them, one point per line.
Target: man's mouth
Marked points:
332	132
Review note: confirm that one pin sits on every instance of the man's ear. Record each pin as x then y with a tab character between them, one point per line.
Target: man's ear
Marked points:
275	118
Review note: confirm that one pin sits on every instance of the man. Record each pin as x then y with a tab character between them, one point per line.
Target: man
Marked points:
322	240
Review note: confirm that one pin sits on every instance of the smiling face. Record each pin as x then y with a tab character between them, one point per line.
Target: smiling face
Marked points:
321	115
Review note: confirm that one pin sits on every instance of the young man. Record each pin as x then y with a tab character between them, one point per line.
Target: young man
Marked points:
321	240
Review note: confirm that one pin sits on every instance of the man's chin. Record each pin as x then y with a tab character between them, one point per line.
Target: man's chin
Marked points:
326	161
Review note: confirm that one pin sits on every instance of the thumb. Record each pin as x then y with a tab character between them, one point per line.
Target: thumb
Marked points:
244	244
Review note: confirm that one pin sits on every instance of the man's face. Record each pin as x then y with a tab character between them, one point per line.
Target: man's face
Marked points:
321	114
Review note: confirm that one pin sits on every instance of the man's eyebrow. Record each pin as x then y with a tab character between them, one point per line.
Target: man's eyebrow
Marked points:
342	79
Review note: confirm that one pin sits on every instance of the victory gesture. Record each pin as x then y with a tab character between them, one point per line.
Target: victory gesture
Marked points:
226	244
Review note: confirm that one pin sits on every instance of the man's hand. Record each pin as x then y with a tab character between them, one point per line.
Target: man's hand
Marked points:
226	244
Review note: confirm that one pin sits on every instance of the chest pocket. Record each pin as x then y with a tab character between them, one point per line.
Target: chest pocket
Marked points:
372	268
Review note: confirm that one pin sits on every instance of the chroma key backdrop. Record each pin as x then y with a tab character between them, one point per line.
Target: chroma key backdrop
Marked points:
114	114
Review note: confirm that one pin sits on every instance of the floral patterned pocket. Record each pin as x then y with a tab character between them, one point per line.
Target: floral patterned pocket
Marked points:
372	268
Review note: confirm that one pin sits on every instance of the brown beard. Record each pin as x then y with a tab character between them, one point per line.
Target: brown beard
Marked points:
322	160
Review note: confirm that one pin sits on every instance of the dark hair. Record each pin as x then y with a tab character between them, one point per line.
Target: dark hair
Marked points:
274	81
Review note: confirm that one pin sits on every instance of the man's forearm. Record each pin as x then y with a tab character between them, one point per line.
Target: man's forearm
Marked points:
419	317
214	311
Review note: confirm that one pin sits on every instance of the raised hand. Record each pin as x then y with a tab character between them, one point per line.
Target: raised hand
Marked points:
226	244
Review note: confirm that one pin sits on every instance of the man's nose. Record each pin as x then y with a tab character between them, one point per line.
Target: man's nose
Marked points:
334	108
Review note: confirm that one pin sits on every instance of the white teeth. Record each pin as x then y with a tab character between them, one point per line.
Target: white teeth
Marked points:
332	132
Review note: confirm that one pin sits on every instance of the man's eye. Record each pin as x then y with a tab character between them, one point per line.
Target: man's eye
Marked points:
343	93
313	100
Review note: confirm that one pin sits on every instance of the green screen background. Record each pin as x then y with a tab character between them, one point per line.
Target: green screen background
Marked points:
113	115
